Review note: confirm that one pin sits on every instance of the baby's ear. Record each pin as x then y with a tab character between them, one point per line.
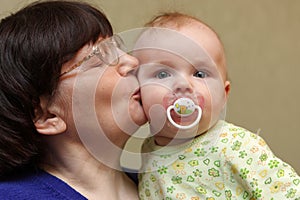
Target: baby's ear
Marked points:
47	122
227	88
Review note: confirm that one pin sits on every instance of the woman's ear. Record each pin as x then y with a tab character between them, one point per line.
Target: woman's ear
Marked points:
47	121
50	125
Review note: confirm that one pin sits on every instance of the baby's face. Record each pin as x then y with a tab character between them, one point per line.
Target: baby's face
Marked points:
175	65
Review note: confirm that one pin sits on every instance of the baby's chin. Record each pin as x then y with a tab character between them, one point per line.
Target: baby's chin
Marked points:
167	141
171	135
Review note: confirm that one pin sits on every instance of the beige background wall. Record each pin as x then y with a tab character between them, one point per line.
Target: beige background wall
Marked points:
261	39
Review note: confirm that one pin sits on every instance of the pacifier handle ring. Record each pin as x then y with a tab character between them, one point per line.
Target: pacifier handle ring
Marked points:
187	126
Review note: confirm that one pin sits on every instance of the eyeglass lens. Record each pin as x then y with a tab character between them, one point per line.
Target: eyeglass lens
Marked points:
108	50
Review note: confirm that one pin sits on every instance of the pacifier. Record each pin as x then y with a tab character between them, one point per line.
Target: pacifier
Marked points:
184	107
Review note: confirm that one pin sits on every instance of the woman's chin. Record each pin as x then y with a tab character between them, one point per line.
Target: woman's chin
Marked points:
137	113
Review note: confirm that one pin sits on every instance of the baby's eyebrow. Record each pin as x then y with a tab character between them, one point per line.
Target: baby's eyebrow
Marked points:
156	64
203	66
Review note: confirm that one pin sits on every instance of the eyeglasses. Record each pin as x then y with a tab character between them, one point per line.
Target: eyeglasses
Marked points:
106	50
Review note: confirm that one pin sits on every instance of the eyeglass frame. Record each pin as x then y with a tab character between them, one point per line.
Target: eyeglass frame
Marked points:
116	43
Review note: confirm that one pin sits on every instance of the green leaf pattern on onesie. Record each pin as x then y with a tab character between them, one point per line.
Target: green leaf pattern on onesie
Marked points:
228	162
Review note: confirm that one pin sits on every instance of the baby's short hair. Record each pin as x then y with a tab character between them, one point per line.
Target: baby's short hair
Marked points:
173	20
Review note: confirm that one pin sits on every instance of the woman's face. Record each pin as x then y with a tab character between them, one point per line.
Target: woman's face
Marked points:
103	102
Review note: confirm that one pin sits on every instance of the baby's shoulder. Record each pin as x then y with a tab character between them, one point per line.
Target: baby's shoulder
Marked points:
230	130
236	137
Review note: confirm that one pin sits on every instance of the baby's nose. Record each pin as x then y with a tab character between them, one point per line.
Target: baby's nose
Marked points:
183	86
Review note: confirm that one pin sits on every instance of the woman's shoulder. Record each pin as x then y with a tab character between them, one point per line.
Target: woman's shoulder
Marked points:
36	184
19	185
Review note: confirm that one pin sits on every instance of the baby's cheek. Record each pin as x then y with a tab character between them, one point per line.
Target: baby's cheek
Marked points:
167	100
148	104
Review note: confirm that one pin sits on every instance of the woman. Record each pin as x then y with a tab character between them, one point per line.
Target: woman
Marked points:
64	81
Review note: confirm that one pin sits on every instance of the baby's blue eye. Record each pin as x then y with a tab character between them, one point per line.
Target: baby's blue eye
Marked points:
200	74
162	75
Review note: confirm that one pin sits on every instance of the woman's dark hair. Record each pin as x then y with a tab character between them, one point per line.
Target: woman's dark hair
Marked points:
34	44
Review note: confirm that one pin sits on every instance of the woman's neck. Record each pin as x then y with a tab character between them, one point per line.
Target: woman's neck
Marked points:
89	177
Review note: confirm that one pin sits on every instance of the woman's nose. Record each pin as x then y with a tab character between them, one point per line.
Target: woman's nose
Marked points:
127	63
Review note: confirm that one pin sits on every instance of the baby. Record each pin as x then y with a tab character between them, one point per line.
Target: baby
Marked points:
193	153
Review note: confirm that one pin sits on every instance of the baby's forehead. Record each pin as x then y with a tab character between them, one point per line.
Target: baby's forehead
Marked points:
170	58
172	41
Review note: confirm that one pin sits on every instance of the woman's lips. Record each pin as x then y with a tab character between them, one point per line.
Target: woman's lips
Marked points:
137	112
137	96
